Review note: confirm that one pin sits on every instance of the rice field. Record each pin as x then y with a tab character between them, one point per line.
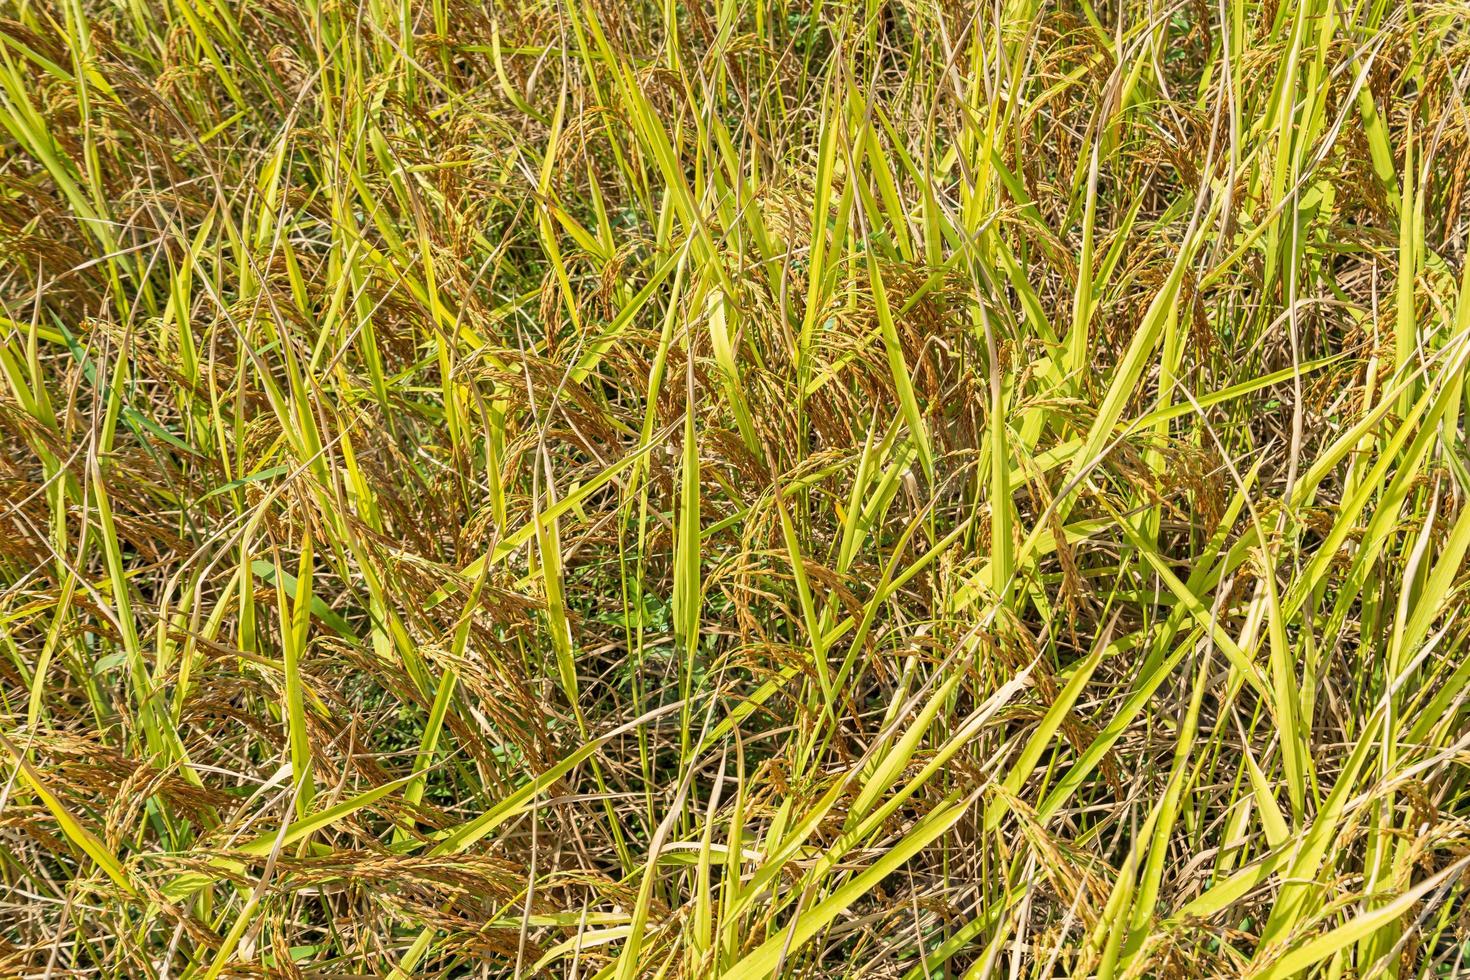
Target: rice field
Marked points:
742	489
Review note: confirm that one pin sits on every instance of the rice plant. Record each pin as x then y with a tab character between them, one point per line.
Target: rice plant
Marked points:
734	489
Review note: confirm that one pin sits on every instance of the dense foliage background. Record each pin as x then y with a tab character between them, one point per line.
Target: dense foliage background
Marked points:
602	489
